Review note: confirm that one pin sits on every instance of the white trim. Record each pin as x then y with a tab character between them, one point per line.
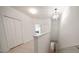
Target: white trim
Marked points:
39	35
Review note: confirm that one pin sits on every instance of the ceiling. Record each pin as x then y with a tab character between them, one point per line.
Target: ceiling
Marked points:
44	12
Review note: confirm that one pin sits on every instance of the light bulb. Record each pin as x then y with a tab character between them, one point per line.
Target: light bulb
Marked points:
33	10
55	16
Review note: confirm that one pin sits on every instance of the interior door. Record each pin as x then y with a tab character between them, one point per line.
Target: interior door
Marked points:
13	30
18	32
3	41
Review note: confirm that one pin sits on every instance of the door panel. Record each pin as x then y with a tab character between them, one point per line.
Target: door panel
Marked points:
3	41
13	31
8	24
18	32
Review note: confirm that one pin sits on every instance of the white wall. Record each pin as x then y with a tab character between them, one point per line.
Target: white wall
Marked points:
43	43
44	40
69	28
26	23
45	24
55	28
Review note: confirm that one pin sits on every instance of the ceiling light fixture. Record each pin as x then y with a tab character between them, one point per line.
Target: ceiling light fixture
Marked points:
55	13
33	10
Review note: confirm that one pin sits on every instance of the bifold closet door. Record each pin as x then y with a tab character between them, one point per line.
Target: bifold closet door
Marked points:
13	31
3	41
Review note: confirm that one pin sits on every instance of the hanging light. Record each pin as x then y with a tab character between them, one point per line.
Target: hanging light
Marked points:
55	13
56	16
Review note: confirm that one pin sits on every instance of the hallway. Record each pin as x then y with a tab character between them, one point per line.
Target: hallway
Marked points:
39	29
24	48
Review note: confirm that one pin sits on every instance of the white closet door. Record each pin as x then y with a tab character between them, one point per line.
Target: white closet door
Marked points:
3	41
13	31
18	33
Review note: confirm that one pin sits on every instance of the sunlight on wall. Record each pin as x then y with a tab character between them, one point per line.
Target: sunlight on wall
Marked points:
64	15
